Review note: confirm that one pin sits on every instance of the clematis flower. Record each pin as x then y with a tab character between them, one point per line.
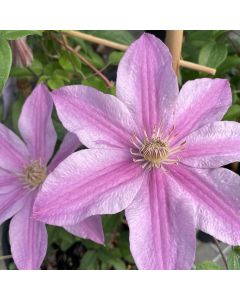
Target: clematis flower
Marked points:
23	168
154	152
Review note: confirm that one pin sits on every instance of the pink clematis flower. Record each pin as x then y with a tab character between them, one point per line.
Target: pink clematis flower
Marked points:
23	168
154	152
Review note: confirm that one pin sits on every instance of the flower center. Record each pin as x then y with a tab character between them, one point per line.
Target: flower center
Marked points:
156	150
34	174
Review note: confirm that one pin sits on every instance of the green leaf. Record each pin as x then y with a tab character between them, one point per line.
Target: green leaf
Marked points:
65	61
229	63
213	54
17	34
97	83
233	259
208	265
233	113
61	237
5	62
115	57
111	222
96	59
198	38
20	72
55	82
89	261
118	264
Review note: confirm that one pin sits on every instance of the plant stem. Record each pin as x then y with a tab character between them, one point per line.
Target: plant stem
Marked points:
96	40
221	253
5	257
121	47
84	60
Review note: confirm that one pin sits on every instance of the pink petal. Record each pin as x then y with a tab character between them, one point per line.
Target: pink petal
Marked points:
28	239
35	124
216	195
90	228
212	146
8	181
89	182
99	120
69	144
13	152
200	102
11	201
146	82
162	225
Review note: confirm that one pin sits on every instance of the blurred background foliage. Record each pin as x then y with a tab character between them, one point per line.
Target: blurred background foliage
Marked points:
55	65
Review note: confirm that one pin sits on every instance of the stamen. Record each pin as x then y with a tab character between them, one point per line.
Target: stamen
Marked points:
34	174
155	152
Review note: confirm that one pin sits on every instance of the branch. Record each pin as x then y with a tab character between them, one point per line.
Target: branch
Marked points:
221	253
121	47
84	60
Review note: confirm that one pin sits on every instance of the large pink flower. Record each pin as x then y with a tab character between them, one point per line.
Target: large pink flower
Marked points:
154	152
23	168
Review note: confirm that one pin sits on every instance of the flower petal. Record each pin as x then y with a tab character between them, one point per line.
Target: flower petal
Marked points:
162	225
216	194
69	144
214	145
28	239
35	124
8	181
11	202
90	228
200	102
13	152
146	82
89	182
97	119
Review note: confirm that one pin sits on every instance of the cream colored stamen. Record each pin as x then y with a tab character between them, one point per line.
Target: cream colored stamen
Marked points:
156	150
34	174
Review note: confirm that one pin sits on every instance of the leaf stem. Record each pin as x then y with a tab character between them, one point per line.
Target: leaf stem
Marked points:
5	257
84	60
221	253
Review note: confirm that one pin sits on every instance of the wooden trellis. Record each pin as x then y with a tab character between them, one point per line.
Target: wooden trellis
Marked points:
174	39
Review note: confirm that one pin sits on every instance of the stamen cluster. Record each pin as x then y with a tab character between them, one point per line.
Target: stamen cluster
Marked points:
34	174
156	150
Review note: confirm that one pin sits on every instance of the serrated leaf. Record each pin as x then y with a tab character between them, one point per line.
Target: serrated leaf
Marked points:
17	34
213	54
208	265
5	63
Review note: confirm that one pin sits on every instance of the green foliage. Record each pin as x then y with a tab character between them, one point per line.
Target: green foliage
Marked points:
233	259
213	54
5	62
208	265
17	34
115	57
